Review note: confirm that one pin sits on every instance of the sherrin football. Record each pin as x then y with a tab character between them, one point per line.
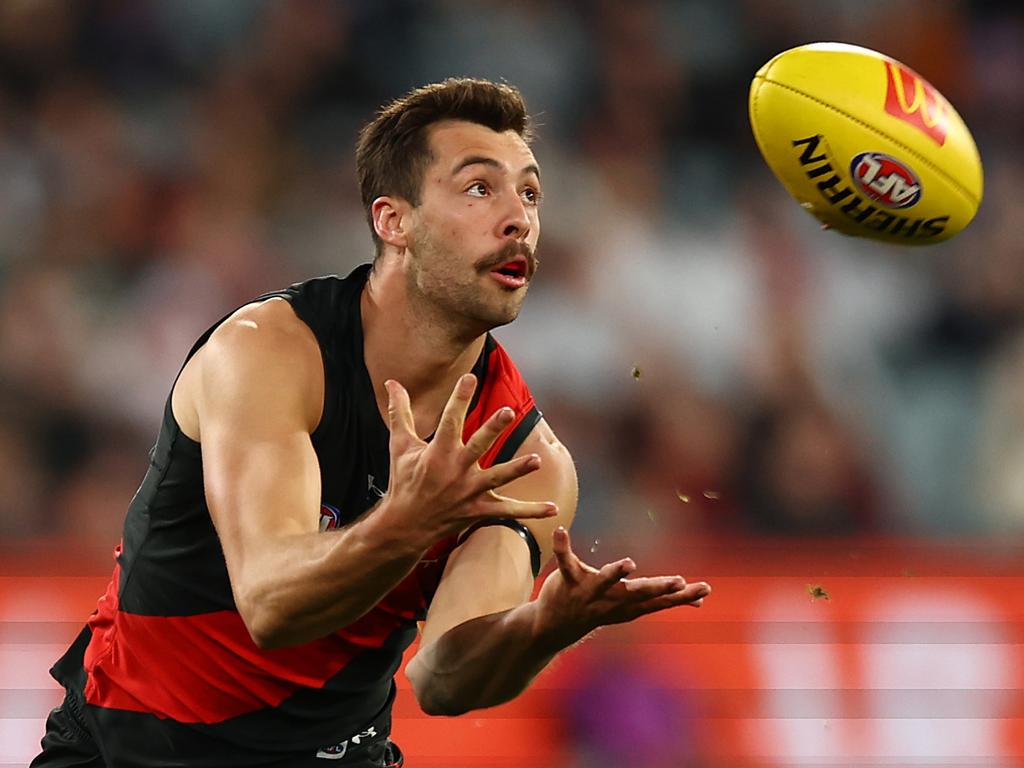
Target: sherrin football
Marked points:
865	144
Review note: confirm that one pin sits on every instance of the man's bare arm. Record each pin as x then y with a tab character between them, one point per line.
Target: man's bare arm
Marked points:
258	397
256	403
483	643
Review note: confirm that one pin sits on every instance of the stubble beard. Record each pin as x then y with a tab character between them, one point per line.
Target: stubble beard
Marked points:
453	294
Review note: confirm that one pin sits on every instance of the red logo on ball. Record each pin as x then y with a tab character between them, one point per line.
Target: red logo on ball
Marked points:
885	180
913	100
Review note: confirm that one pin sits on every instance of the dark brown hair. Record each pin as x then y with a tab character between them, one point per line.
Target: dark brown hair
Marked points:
393	150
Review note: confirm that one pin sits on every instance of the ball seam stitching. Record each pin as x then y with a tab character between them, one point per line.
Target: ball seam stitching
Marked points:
956	184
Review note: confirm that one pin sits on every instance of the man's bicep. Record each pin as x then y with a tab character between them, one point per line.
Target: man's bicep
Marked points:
554	481
261	475
261	488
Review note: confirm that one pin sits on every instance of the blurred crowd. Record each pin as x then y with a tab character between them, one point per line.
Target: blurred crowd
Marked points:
714	361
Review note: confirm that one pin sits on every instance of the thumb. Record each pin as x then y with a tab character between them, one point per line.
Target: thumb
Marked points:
567	561
400	420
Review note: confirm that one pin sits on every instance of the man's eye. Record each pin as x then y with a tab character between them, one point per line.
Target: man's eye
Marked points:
478	190
531	195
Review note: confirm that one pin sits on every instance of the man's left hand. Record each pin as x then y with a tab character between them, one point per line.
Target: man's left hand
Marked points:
576	598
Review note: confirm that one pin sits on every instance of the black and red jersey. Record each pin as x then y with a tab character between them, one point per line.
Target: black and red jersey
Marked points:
167	668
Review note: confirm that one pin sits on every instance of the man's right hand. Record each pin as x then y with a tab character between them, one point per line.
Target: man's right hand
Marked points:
438	488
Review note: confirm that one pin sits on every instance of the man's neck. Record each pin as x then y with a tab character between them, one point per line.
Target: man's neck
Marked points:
411	347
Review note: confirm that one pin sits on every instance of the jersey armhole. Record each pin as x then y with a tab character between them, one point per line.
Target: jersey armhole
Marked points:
518	435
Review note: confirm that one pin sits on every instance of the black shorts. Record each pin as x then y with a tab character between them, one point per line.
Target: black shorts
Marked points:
69	743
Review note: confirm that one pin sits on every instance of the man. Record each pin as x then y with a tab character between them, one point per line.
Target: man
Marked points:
266	585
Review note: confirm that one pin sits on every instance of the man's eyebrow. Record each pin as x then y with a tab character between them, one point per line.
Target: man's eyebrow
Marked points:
490	161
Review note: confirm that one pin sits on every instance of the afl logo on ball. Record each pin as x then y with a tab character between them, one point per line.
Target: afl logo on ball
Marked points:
885	180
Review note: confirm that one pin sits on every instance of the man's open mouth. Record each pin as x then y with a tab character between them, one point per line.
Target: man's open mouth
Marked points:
512	274
514	268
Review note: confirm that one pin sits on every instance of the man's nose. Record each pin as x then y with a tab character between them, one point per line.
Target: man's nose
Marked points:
516	223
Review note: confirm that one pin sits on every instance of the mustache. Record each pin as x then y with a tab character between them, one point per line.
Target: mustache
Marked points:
506	254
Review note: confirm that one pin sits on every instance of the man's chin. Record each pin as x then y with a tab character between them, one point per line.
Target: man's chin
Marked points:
496	317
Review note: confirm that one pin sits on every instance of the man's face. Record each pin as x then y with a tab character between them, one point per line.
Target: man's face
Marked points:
474	233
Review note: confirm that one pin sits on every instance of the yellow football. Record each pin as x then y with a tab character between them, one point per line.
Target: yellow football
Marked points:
865	144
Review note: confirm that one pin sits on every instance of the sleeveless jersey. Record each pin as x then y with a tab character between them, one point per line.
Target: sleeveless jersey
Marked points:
165	663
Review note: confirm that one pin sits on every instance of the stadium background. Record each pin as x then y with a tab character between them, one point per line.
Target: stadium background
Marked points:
750	401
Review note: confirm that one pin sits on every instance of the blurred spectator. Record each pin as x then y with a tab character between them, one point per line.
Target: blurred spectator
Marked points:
620	715
25	509
799	474
999	482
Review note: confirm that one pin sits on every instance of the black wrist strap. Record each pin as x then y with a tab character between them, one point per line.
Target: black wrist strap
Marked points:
516	526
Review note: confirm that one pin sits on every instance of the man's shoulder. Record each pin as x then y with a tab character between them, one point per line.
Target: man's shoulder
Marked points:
260	335
271	318
261	354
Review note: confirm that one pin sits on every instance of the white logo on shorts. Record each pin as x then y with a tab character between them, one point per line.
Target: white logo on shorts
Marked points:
337	751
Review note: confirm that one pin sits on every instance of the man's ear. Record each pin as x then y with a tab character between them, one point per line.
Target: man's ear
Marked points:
390	215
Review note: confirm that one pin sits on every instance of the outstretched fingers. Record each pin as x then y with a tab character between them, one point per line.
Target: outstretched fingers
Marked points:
481	440
692	595
612	573
672	589
570	566
449	431
498	506
506	472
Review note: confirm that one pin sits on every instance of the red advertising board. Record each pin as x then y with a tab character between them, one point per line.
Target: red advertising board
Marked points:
844	652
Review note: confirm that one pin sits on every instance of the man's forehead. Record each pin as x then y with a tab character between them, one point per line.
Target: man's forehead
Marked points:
453	140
